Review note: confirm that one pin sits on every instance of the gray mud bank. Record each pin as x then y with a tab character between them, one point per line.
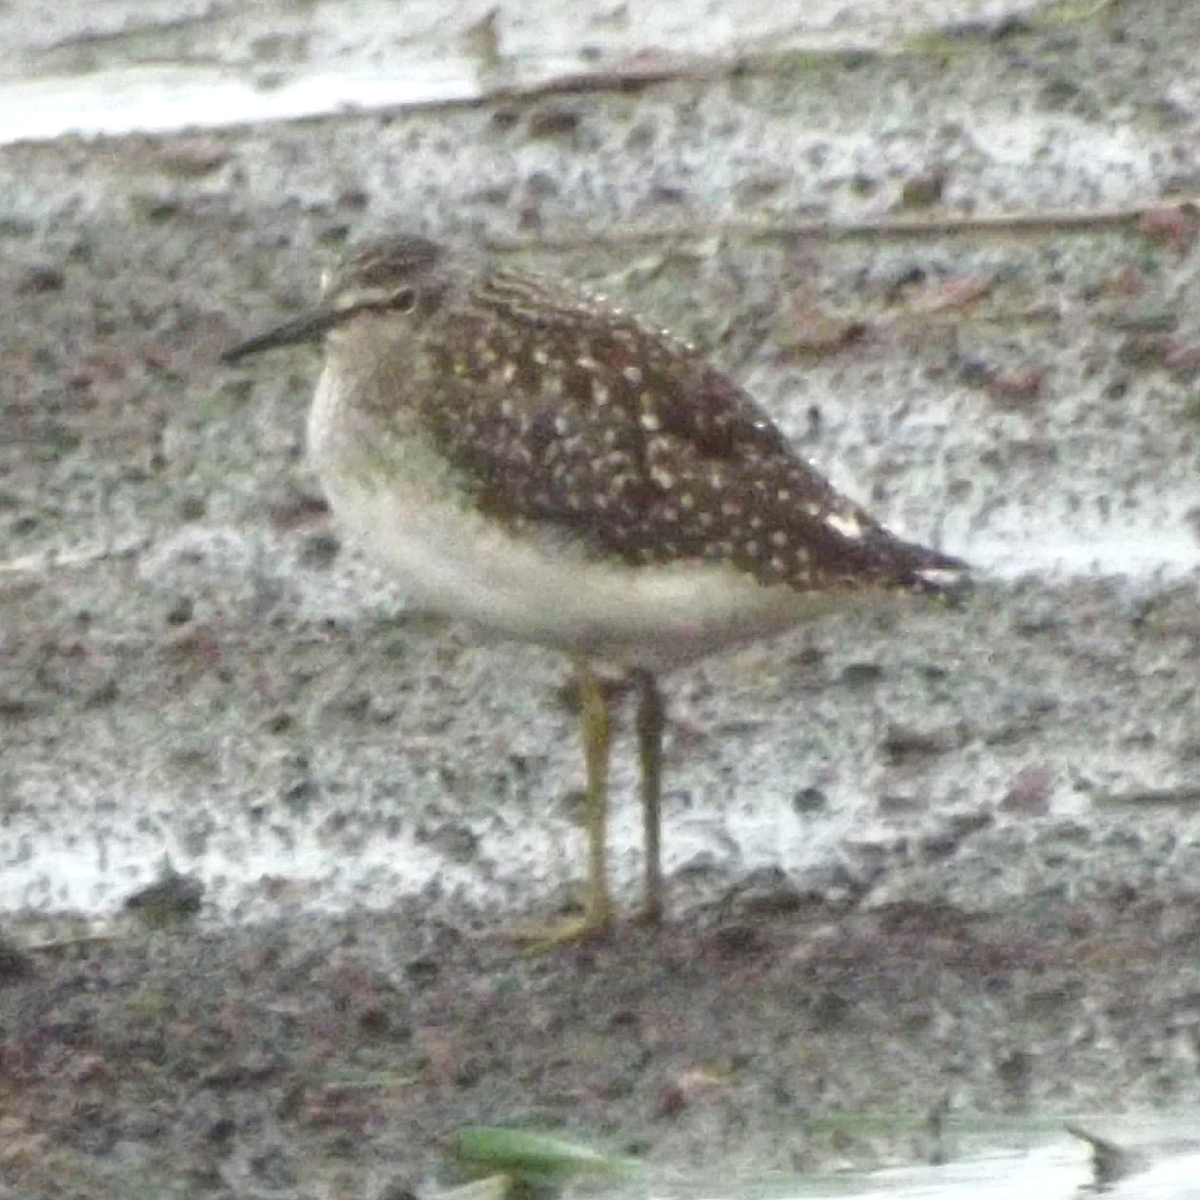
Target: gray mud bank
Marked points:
921	862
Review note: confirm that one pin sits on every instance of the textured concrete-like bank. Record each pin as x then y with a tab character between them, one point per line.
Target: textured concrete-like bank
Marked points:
981	826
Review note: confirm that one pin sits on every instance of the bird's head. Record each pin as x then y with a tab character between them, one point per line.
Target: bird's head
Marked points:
402	276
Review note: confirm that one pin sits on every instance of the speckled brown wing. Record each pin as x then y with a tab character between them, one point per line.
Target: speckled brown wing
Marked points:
566	411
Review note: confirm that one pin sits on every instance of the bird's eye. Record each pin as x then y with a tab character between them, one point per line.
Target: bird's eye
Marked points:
405	300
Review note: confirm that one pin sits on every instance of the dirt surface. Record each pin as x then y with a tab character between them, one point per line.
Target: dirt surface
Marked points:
921	863
776	1032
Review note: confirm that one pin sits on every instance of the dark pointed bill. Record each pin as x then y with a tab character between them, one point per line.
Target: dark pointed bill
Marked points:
310	327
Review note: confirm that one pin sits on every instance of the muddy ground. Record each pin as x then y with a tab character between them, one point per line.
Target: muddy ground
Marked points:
930	870
774	1033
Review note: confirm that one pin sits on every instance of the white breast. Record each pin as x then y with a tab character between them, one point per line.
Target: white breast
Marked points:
404	510
452	562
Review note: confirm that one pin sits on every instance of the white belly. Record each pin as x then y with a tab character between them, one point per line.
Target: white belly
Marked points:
402	506
455	563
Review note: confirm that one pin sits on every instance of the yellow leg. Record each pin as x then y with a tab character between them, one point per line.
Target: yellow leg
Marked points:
596	725
651	721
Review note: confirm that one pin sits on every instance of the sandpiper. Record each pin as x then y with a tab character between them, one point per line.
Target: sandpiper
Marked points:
552	469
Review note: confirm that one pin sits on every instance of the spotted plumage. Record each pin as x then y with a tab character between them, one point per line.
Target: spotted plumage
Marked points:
555	470
558	408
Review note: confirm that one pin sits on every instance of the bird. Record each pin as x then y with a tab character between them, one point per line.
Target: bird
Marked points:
529	458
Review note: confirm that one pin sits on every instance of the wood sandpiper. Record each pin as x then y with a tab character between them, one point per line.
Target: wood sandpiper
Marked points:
549	468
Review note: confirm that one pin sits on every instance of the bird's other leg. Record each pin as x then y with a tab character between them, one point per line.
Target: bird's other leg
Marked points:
651	723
